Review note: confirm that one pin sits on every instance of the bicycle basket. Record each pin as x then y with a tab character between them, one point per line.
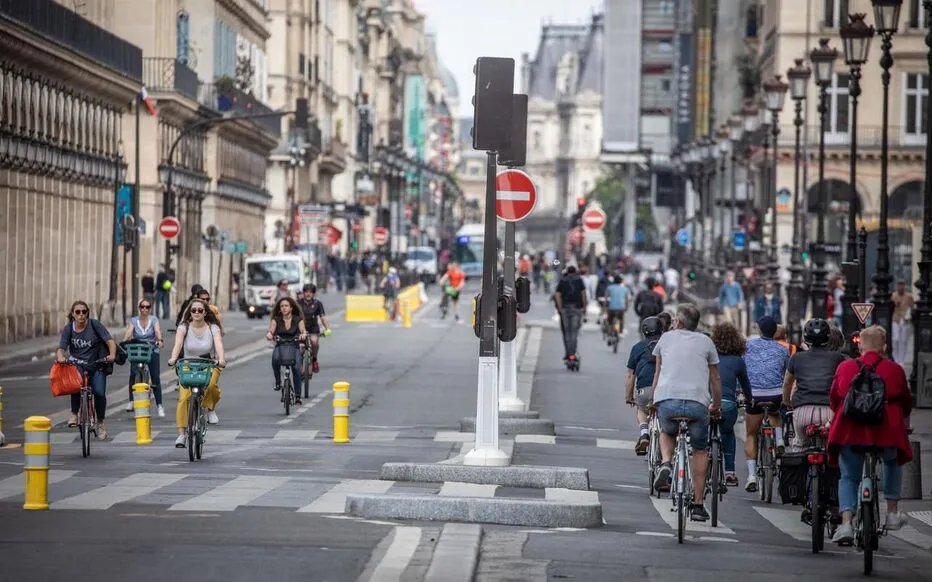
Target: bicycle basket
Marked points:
194	374
287	354
450	290
138	353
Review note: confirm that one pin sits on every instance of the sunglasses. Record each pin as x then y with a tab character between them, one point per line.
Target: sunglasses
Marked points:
197	310
145	307
80	311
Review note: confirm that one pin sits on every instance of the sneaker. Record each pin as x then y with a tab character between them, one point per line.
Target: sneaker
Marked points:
315	367
179	442
161	411
894	521
297	401
641	447
212	417
101	431
731	480
698	513
844	535
751	485
277	388
129	406
662	480
73	420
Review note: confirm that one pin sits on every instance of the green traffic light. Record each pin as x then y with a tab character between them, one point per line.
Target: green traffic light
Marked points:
692	275
805	256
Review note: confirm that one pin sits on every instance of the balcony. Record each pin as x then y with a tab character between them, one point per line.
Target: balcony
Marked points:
314	142
223	97
333	157
56	22
169	75
751	36
869	137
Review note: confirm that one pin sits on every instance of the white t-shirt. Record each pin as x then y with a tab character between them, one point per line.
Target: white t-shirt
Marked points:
684	369
671	277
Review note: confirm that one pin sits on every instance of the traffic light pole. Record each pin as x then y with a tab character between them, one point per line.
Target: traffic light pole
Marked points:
508	360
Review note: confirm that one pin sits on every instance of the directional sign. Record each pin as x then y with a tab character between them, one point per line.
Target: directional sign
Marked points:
515	195
741	240
169	227
862	310
682	237
380	235
594	219
313	214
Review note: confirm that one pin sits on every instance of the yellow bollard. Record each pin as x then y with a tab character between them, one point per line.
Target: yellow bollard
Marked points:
406	314
341	405
2	438
141	409
36	464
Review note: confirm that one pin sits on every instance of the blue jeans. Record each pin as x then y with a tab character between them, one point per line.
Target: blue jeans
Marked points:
291	352
699	412
851	464
99	385
154	378
727	431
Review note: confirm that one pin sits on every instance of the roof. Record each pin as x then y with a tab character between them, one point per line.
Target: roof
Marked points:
556	40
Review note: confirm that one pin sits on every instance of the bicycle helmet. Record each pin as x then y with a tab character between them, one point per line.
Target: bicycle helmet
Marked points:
816	332
652	327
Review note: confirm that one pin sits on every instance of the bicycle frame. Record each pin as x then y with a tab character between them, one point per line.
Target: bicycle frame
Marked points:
867	528
766	457
682	490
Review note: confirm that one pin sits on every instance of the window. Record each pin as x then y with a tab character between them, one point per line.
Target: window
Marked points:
224	50
836	13
665	85
666	6
838	119
536	141
917	98
913	14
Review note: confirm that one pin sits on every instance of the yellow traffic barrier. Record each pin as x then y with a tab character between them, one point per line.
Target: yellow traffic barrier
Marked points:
36	450
141	410
406	314
341	406
2	438
365	308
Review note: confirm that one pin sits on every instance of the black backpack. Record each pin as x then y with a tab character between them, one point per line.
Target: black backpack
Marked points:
650	304
864	403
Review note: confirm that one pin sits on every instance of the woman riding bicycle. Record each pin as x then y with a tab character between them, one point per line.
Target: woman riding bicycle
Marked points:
85	339
198	336
287	322
730	345
145	328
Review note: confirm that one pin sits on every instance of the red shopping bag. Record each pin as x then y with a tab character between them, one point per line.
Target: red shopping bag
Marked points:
65	379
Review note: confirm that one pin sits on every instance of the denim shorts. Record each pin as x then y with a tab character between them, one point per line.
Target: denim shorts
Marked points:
698	430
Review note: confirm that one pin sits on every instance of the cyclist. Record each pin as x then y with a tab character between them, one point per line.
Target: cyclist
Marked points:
733	373
196	290
682	387
617	295
145	328
809	378
571	302
641	368
204	295
87	340
648	303
390	284
454	278
766	361
286	322
199	336
314	315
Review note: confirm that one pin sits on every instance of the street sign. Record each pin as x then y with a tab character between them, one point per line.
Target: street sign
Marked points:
862	311
242	247
682	237
380	235
169	227
313	214
515	195
741	240
594	219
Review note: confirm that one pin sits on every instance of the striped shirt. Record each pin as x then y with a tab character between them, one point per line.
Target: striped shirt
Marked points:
766	361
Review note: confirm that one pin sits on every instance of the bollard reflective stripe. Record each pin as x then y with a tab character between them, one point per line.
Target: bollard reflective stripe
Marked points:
141	402
341	407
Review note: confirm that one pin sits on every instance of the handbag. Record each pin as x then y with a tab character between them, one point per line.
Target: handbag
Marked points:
65	379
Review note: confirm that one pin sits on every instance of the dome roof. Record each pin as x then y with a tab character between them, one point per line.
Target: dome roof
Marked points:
450	82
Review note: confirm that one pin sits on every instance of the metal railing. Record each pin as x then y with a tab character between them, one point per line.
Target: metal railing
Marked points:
53	20
162	74
230	99
868	137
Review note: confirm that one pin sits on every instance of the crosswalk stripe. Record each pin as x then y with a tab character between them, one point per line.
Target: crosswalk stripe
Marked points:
63	438
664	507
128	437
570	495
452	436
136	485
376	436
457	489
334	500
614	444
295	435
221	436
16	485
232	494
541	439
787	521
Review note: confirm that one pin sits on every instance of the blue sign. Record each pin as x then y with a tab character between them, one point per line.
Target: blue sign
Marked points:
741	239
124	207
682	237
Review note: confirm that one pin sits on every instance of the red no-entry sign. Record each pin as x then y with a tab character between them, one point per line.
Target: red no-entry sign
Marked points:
169	227
515	195
594	219
380	235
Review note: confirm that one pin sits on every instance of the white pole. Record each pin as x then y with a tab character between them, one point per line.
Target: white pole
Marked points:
508	400
486	451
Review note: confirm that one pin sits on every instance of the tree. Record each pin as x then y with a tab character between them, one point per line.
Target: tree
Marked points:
609	191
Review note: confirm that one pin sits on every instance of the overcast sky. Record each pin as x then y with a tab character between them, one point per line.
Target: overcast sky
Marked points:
468	29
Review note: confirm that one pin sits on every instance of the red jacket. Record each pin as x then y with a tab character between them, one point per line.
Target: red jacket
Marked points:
892	433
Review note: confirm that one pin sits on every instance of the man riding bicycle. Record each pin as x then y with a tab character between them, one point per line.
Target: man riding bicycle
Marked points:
686	373
314	315
454	279
617	295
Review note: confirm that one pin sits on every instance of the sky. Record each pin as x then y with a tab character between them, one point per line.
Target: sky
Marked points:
468	29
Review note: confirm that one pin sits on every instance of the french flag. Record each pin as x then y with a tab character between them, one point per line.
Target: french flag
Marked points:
144	97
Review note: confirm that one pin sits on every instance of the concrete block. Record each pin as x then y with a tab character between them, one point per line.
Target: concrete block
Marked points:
456	555
518	414
494	510
527	476
512	426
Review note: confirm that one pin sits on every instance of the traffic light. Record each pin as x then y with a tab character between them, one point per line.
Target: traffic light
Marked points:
692	275
805	255
354	245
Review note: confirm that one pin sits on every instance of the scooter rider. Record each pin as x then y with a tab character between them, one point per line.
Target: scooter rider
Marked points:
571	301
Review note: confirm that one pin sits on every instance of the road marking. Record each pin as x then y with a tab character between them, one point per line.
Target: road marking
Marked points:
376	436
295	435
913	536
638	487
540	439
591	429
64	438
313	402
452	436
20	379
458	489
664	507
219	435
334	500
396	559
16	485
136	485
454	558
230	495
129	437
570	495
787	521
614	444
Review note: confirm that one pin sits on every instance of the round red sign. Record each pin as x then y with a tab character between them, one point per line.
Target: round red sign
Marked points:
380	235
594	219
169	227
515	195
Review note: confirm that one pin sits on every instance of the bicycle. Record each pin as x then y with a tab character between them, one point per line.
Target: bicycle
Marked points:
138	353
654	458
820	516
867	525
682	490
195	374
766	455
307	360
448	293
290	396
715	480
87	415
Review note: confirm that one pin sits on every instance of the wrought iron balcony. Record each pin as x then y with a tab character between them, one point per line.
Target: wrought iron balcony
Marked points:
869	137
56	22
333	158
224	97
161	74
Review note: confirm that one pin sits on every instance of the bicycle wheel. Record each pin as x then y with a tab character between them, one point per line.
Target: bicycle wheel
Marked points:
765	465
201	435
868	535
715	475
85	426
286	393
815	507
615	343
306	379
194	411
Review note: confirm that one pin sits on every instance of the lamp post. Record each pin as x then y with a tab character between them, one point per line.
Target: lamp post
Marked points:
823	61
886	19
774	94
749	112
735	133
856	38
724	148
798	77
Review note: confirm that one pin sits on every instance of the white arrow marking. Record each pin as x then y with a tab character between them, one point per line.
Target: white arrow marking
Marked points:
513	196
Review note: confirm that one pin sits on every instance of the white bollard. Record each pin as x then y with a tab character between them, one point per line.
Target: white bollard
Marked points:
486	452
508	400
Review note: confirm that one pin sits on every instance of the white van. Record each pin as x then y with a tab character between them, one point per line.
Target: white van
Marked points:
423	261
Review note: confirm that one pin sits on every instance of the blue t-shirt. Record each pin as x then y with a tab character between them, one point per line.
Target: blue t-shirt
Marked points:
84	345
643	363
734	376
766	362
618	297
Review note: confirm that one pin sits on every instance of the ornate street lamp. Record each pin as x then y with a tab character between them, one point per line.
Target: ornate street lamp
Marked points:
774	94
724	148
886	19
751	120
798	77
735	133
823	61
